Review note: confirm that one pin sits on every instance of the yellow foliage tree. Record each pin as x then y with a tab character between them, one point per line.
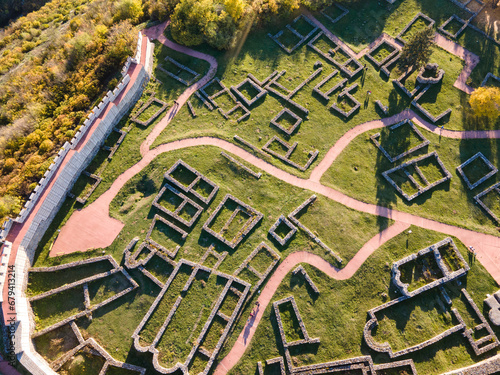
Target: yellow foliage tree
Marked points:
235	8
485	102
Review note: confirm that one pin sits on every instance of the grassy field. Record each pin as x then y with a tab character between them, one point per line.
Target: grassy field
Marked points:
450	202
338	315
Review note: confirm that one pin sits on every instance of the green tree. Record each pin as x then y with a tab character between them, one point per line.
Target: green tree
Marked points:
417	51
190	19
485	102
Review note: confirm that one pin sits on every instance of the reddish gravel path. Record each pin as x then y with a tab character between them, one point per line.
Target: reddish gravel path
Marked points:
284	268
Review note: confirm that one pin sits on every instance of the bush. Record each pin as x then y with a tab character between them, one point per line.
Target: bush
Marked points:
46	146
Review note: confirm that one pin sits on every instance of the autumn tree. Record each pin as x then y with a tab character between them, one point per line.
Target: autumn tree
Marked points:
485	102
417	51
129	10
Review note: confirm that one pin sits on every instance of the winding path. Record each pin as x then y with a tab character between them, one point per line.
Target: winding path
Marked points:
284	268
104	230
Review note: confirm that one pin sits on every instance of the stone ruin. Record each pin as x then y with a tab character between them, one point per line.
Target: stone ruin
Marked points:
132	259
430	74
488	77
197	179
289	150
152	99
493	302
448	275
301	38
407	122
414	163
326	94
344	11
292	229
478	199
489	164
181	68
293	218
300	269
285	111
211	103
351	67
171	253
410	24
232	285
249	102
346	93
262	247
183	204
272	80
241	165
384	42
479	346
453	18
254	217
93	348
382	107
286	345
83	283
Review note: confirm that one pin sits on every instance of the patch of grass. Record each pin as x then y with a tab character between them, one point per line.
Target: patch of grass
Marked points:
83	363
57	307
55	343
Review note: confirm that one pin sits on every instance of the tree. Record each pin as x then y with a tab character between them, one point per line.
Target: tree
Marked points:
189	20
235	8
129	9
485	102
417	51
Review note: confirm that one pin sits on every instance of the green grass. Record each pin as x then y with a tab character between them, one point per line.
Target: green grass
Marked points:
39	282
55	343
476	170
183	330
83	363
451	202
338	315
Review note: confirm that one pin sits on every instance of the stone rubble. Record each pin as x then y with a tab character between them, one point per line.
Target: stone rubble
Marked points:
254	218
241	165
414	163
424	141
489	164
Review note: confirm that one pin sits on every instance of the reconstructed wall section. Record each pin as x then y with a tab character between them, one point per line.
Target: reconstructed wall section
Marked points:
101	120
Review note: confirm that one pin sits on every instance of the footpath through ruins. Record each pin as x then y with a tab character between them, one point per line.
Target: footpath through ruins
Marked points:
100	230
